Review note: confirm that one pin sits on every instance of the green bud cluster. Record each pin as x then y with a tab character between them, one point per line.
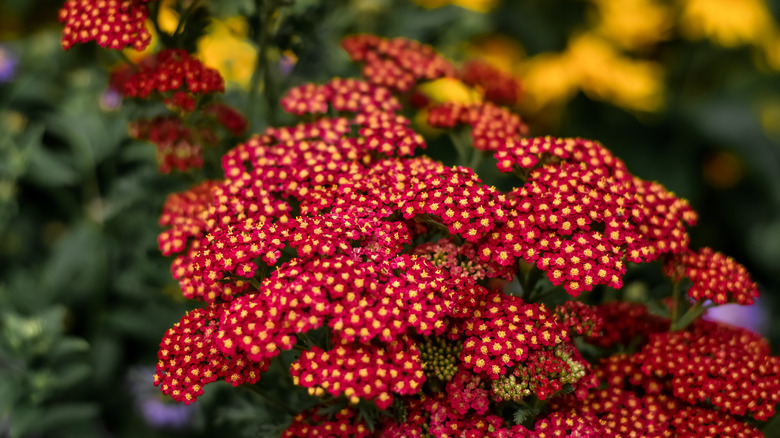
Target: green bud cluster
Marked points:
440	357
511	388
543	374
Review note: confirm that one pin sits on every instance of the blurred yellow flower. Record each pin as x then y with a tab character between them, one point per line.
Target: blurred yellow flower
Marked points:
769	114
729	23
226	48
771	49
606	74
633	24
167	18
450	90
548	79
473	5
500	51
593	65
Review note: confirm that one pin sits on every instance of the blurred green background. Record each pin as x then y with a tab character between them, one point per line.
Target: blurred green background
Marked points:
686	92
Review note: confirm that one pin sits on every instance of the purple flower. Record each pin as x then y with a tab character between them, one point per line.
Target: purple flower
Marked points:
8	61
287	62
753	317
158	412
110	100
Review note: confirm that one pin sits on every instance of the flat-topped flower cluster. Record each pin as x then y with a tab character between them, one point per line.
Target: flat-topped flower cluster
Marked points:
338	225
415	287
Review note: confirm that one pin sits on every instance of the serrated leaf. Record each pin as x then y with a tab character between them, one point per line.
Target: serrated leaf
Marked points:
523	414
520	415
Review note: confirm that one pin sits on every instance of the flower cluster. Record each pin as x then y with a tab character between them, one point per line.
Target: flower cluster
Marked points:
581	319
637	403
343	95
440	358
504	331
183	84
543	374
697	382
190	358
578	224
497	86
114	24
312	424
625	322
714	275
396	63
176	75
408	285
492	127
177	145
366	372
726	367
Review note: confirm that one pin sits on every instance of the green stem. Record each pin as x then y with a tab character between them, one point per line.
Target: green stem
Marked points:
476	158
183	17
307	340
688	317
254	282
269	399
156	21
529	278
264	30
461	147
675	304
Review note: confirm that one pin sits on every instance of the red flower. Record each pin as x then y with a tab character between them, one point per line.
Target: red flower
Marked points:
396	63
177	76
114	24
497	86
177	146
714	275
372	372
189	357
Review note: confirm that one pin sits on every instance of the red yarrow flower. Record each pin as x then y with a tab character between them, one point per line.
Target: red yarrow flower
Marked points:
114	24
176	76
714	275
396	63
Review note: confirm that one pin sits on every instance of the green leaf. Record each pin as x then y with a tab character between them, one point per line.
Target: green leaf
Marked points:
67	346
72	375
523	414
32	336
11	390
59	416
78	263
24	420
658	308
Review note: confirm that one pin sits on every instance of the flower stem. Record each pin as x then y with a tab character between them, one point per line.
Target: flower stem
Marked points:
675	304
688	317
462	147
269	399
184	16
265	18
